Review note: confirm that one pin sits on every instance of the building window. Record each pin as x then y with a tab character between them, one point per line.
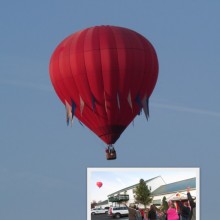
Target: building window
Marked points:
157	202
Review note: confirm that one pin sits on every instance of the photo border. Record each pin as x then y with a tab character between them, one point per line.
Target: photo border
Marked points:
120	169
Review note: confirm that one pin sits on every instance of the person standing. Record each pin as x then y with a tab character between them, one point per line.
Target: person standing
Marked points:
192	205
142	213
132	212
146	214
184	210
138	214
171	212
152	215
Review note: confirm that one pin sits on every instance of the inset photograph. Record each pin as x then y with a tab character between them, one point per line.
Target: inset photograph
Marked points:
143	193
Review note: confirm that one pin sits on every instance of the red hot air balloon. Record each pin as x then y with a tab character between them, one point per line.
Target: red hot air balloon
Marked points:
99	184
104	75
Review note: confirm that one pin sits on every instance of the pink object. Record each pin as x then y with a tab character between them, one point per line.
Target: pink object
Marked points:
99	184
172	214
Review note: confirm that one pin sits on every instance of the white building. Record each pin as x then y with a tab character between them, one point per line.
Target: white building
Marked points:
174	191
152	184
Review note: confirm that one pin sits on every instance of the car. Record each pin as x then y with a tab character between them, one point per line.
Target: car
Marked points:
106	210
118	211
95	211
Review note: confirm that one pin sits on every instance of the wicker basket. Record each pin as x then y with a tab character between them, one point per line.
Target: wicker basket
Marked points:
111	156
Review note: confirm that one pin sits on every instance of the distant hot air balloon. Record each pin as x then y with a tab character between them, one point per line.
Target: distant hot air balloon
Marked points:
104	75
99	184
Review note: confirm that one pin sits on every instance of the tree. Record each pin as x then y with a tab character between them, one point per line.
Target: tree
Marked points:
164	204
93	204
142	194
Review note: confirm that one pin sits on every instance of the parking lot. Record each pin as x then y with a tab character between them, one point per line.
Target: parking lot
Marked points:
105	217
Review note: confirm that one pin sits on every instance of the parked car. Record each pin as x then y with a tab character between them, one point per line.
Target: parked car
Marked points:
98	211
106	210
118	211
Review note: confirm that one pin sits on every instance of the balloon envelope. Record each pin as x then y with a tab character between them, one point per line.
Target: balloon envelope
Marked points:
99	184
104	75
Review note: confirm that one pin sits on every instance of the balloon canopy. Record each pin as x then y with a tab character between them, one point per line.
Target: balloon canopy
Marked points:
104	75
99	184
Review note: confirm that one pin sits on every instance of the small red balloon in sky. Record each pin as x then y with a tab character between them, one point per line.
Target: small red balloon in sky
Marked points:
99	184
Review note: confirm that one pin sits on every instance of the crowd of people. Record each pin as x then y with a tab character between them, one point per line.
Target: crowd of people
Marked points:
186	211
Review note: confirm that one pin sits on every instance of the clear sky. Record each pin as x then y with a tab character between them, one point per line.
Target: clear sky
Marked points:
43	163
114	179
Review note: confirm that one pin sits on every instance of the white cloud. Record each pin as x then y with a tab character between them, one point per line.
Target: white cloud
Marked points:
186	109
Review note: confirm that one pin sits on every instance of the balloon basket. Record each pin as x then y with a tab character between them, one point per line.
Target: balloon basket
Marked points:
111	156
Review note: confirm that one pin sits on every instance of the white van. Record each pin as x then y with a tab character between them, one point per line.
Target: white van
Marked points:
118	211
98	211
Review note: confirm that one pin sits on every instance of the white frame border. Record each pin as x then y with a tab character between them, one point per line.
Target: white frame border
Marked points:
195	169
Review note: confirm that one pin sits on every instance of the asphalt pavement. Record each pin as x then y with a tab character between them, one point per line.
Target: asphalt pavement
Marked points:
105	217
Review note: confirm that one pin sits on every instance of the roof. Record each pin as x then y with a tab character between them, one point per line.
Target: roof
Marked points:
133	186
175	187
105	202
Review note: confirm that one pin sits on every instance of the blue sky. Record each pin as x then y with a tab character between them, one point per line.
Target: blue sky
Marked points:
43	163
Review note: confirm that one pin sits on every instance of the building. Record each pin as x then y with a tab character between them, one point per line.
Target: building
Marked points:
159	189
152	184
174	191
103	204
